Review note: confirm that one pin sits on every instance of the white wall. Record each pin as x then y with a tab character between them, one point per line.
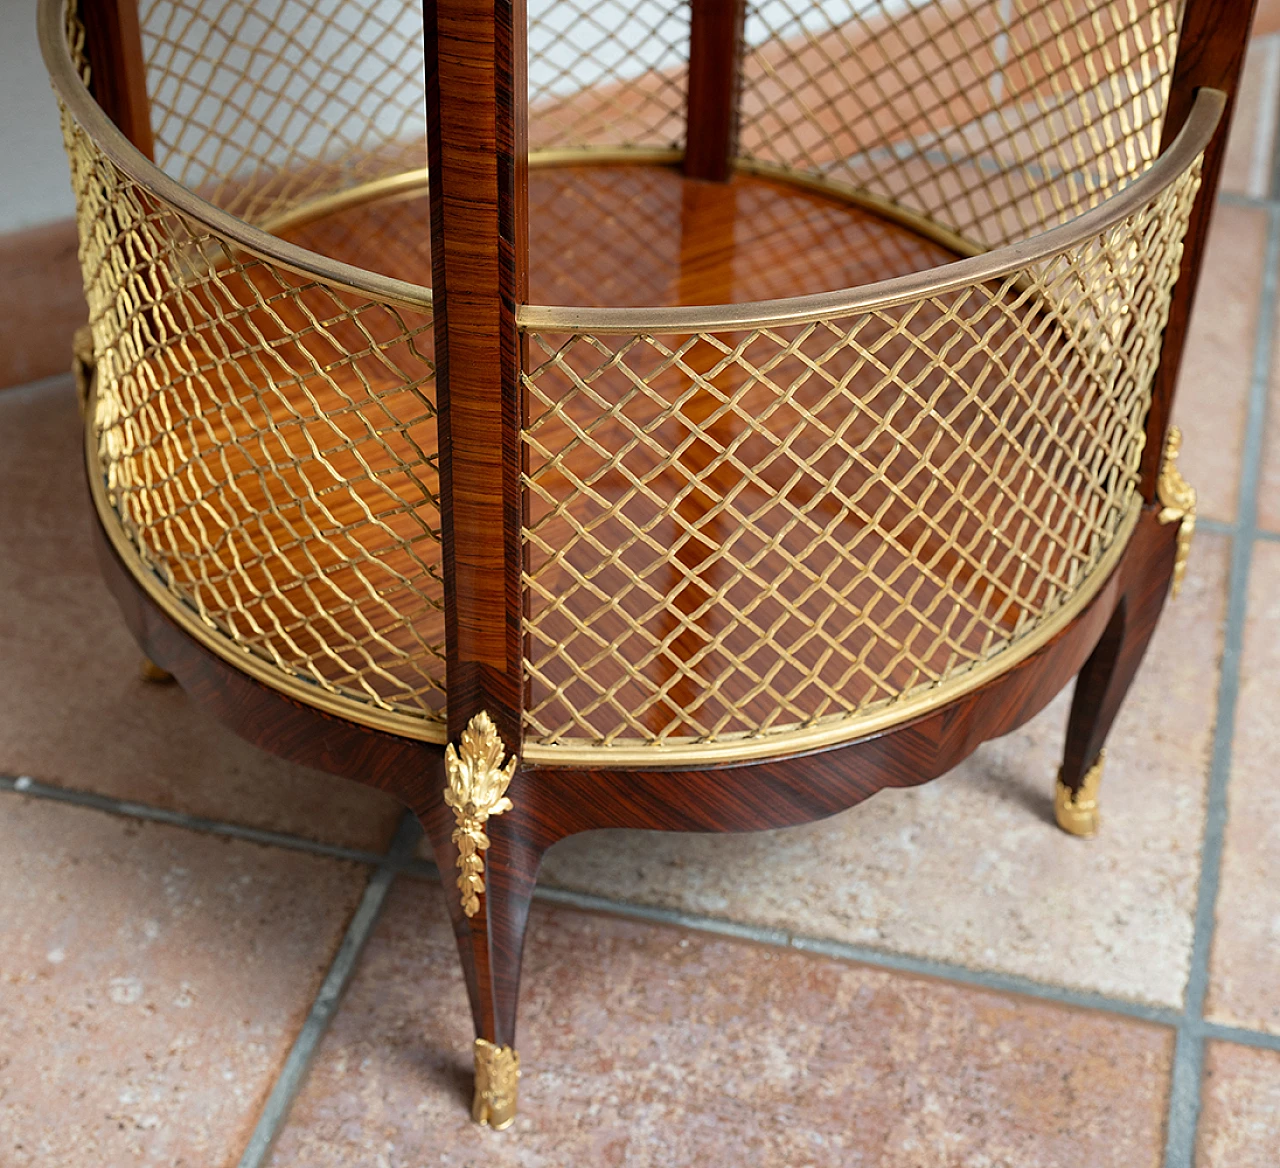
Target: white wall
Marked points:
34	187
33	172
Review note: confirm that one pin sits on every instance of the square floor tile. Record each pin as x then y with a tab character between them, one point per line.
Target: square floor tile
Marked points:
1240	1117
152	981
645	1046
73	710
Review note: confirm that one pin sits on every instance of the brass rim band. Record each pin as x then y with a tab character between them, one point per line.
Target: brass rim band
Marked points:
976	269
1191	140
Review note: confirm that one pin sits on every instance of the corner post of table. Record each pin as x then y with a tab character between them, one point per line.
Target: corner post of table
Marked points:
117	68
715	83
476	140
1212	39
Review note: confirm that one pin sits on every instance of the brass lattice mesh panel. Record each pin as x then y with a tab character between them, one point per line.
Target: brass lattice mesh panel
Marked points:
995	118
607	73
734	534
262	105
734	531
268	447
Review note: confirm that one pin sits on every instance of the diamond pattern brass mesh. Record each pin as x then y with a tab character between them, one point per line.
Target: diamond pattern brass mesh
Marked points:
730	535
735	534
260	107
268	445
994	118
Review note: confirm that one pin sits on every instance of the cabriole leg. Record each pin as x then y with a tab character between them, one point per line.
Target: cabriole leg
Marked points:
1107	675
150	671
1105	679
488	866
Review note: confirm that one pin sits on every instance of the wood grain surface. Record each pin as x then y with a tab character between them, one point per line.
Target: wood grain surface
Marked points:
478	278
1212	39
117	68
714	88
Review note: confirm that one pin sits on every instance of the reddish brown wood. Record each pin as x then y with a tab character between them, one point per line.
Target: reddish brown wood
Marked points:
1212	39
715	74
478	277
491	943
1105	679
742	797
621	235
476	107
117	69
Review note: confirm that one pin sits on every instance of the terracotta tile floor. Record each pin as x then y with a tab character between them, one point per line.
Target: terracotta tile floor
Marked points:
954	983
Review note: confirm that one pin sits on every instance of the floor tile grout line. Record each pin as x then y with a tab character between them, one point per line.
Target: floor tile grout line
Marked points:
48	382
1262	160
1251	202
1188	1066
1240	1035
409	864
1222	527
880	958
297	1065
844	951
34	789
876	958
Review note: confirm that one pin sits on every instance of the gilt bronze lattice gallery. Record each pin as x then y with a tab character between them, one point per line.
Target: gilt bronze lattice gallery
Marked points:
694	417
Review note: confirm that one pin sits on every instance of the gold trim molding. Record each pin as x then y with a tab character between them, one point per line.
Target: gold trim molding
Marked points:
1177	504
1181	155
478	781
497	1081
1077	811
1191	140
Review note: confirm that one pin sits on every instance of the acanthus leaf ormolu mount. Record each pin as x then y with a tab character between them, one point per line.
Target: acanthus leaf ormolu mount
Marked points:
754	410
478	781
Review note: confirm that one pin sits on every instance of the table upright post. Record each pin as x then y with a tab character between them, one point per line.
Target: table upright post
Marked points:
715	74
476	117
480	827
1212	40
117	68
